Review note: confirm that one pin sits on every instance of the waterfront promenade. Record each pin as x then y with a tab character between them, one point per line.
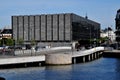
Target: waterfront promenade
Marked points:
112	53
27	57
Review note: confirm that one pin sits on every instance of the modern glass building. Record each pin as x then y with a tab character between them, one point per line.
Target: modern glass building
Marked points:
54	28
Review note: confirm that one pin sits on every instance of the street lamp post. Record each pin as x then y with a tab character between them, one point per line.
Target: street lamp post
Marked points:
108	36
31	40
14	47
13	37
97	41
2	40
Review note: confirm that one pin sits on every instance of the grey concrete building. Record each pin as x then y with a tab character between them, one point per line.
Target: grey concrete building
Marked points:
57	29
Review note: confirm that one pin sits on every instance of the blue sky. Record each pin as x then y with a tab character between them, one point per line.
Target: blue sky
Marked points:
102	11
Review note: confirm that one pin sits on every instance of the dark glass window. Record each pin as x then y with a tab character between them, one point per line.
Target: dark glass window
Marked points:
80	30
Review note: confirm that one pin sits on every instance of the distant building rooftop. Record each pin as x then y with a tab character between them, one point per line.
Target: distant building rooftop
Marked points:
118	10
6	31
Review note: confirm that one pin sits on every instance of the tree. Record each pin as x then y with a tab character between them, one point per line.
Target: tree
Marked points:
33	42
20	41
104	39
9	42
1	42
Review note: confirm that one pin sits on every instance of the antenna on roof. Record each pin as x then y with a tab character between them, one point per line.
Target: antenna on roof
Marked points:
86	17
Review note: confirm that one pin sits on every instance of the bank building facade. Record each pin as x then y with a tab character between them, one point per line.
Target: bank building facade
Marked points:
55	29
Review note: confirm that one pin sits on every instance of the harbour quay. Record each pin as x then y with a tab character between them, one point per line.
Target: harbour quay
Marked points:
112	53
60	58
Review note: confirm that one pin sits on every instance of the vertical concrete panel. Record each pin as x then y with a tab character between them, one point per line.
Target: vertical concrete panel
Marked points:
20	25
68	27
49	31
31	19
61	27
43	27
37	27
55	27
26	28
14	27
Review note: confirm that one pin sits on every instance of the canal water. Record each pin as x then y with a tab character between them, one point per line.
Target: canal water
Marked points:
101	69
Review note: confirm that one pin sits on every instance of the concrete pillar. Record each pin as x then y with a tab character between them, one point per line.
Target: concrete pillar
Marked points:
58	59
92	56
89	58
83	58
95	55
25	64
98	54
101	54
74	60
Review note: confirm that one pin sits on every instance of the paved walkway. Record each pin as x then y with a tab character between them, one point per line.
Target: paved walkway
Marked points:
24	53
40	56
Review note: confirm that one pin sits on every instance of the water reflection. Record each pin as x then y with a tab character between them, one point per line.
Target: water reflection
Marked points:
101	69
118	65
34	73
117	68
58	72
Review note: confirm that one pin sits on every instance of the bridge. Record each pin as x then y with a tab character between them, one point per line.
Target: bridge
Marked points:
59	55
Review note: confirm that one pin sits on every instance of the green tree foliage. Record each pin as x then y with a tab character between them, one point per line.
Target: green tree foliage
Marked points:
20	41
7	42
88	42
33	42
102	40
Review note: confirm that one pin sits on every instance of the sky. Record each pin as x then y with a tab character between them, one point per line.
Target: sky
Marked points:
101	11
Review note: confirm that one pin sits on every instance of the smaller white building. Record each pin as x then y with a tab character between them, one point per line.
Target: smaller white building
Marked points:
108	33
6	32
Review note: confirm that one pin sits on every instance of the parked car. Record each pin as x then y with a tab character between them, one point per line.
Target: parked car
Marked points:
14	47
2	47
28	46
